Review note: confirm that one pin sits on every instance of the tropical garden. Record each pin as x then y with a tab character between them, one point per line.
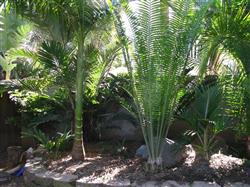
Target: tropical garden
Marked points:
141	91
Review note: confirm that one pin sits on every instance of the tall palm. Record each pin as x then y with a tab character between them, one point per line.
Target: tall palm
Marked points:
75	19
161	47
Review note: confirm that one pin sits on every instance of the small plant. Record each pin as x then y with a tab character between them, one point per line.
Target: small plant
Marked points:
205	116
59	143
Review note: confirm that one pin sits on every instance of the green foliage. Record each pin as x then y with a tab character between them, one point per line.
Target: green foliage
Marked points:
228	26
38	107
213	106
205	116
162	46
58	143
114	88
227	31
233	95
70	58
13	32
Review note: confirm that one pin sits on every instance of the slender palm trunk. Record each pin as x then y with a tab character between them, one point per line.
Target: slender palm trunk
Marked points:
7	75
244	56
78	151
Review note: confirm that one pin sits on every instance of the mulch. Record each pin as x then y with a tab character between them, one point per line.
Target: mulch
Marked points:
106	164
104	167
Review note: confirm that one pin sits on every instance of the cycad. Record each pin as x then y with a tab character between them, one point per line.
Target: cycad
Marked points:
162	43
204	115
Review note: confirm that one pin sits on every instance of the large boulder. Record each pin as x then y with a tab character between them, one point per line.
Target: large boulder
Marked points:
120	126
120	130
14	156
173	153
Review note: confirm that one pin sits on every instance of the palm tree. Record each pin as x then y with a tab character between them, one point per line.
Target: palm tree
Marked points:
75	19
228	30
161	47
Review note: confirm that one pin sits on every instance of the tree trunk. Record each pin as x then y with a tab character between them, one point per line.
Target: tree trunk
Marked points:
78	151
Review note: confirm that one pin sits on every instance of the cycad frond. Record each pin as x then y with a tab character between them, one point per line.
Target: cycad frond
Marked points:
162	42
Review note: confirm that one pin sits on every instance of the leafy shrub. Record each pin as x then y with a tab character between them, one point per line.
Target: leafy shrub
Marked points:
58	143
40	104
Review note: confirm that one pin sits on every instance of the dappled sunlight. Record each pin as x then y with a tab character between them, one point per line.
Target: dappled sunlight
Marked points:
221	161
107	91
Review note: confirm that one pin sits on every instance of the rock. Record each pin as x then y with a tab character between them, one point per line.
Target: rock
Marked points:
44	179
30	174
237	184
14	156
36	175
80	183
204	184
64	180
119	124
117	183
40	152
29	153
174	184
113	183
142	152
150	184
173	153
120	130
4	177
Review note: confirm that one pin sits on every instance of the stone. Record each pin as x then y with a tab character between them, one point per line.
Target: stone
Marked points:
30	174
150	184
236	184
113	183
173	153
29	153
14	156
119	124
40	152
36	175
4	177
64	180
204	184
171	183
120	130
38	159
44	178
118	183
142	152
79	183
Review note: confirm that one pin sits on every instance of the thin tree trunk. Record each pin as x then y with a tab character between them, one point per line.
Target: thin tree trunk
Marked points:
78	151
